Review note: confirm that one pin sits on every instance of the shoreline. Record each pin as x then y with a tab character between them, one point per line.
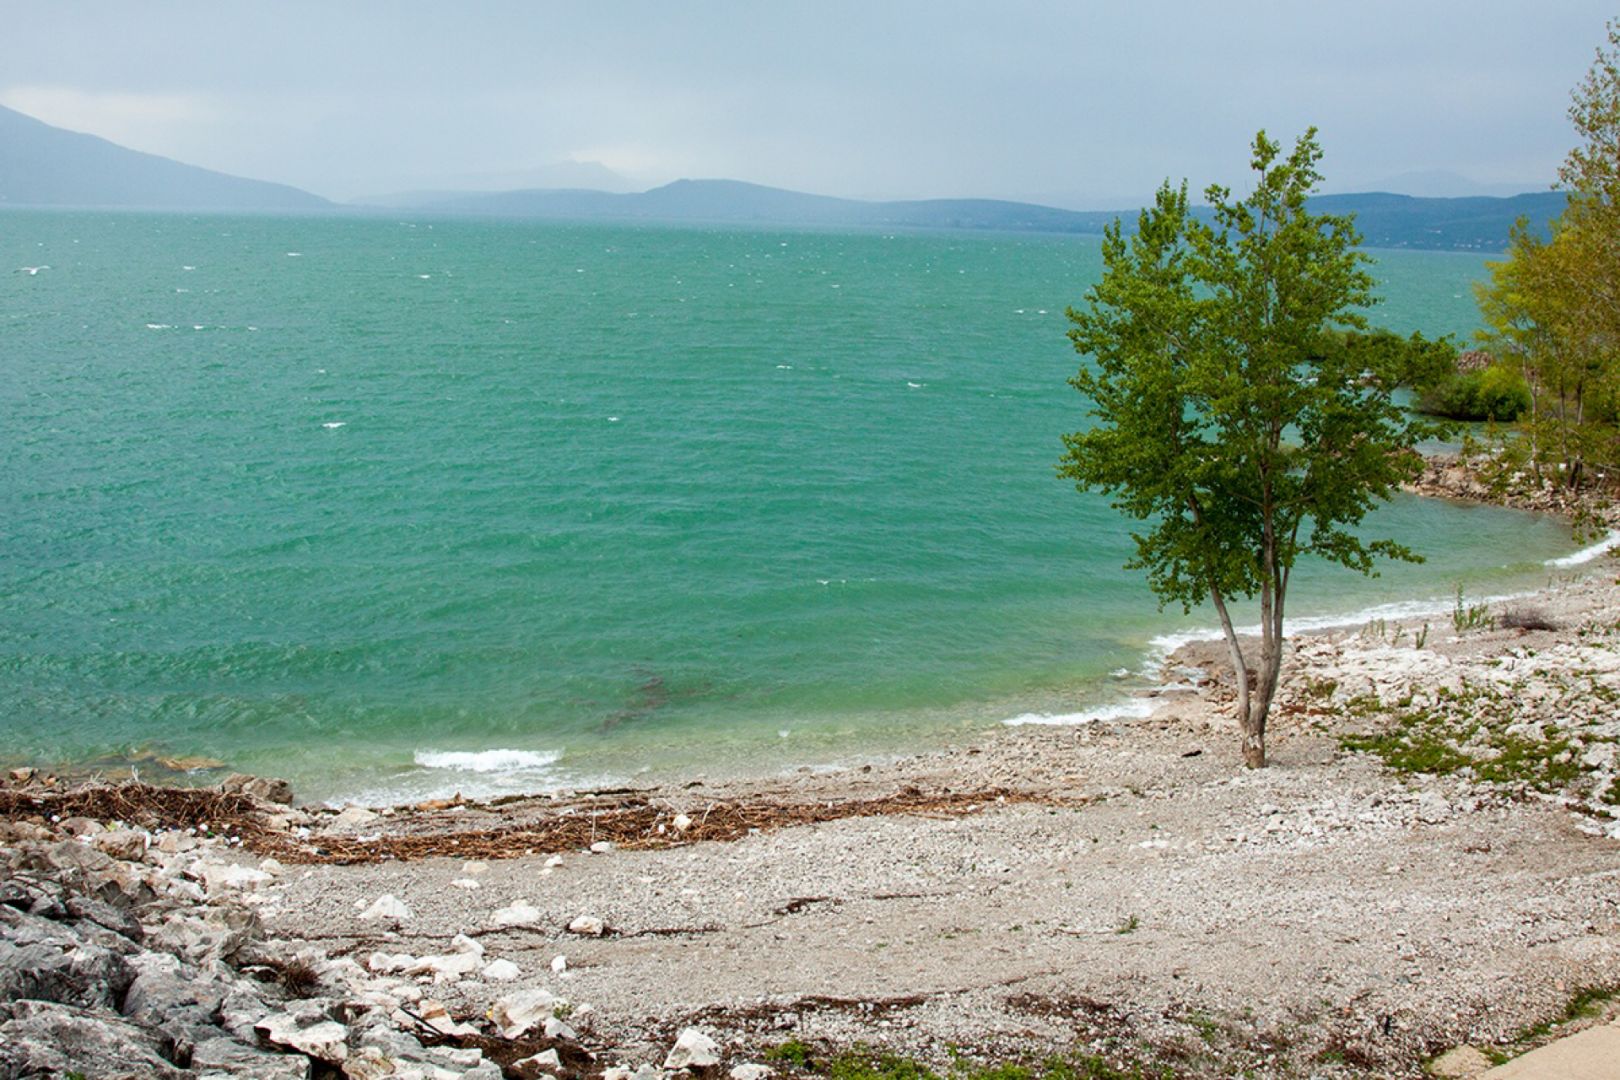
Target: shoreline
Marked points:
1431	861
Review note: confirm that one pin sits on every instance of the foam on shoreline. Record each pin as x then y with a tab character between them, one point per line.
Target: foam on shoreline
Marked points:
1587	554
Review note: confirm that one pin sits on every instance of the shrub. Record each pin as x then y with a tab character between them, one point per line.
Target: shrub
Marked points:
1492	393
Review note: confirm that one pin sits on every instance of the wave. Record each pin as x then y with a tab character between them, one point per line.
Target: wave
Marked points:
1132	709
1162	647
487	761
1587	554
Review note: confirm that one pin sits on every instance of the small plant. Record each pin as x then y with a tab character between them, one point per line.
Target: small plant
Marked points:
1422	637
794	1052
1470	616
1128	926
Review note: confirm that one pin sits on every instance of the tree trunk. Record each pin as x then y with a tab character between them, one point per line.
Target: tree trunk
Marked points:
1254	749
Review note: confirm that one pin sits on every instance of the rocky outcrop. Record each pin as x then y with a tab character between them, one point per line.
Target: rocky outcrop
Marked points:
128	952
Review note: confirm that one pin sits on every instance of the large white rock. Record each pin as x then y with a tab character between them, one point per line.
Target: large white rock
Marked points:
389	963
519	914
387	906
501	971
127	844
352	816
320	1039
436	1016
560	1029
750	1072
588	926
681	823
219	877
518	1012
545	1059
692	1050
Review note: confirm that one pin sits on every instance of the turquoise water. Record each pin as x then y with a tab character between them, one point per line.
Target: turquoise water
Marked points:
343	499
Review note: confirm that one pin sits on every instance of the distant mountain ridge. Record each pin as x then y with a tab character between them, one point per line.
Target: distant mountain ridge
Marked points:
41	165
1473	223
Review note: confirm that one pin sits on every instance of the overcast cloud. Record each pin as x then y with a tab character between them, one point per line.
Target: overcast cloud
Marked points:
1086	105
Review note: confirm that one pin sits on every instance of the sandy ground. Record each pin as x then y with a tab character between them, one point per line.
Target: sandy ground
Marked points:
1140	892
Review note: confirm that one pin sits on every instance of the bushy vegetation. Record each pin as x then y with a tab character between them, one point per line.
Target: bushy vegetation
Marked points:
1552	307
1496	393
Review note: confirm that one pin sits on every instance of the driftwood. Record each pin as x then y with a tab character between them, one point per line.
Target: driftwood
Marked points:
631	822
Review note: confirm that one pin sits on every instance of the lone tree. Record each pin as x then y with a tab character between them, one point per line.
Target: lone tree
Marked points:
1242	412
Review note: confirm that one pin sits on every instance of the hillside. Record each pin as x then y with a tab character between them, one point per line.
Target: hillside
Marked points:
1477	223
41	165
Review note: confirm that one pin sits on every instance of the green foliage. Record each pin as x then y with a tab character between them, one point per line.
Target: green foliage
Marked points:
1470	616
1552	307
863	1063
1496	393
1585	1003
1242	411
1474	730
794	1052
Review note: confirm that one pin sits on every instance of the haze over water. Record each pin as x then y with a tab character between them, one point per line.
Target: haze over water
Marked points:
359	502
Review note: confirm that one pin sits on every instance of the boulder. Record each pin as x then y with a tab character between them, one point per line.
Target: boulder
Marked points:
117	920
223	877
519	914
235	1059
44	961
467	958
692	1050
263	788
501	971
127	844
166	990
353	817
220	934
387	906
308	1030
46	1038
517	1013
587	926
435	1015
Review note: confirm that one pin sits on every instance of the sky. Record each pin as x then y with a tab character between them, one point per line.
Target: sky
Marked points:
1085	105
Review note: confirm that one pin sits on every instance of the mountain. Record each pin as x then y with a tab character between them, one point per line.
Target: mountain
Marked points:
570	175
1477	223
41	165
1445	184
722	202
1472	223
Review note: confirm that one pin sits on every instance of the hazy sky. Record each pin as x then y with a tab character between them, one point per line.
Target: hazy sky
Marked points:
1083	104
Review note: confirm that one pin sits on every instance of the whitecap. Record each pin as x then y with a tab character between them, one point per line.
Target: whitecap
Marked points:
915	385
487	761
1162	646
1587	554
1135	709
331	425
159	326
295	254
